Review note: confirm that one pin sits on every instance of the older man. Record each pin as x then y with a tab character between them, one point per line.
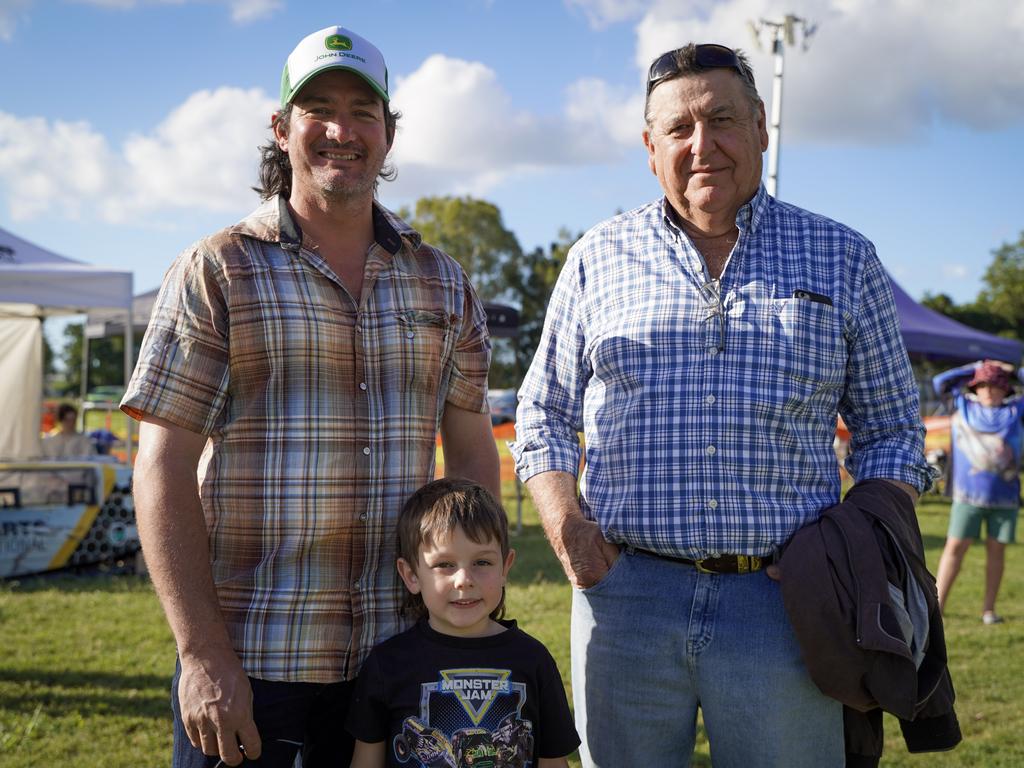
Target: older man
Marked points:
314	350
704	344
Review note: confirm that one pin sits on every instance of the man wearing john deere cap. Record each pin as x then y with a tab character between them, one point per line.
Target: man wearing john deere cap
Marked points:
302	361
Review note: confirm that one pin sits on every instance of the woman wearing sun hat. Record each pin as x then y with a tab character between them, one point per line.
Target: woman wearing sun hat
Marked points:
987	438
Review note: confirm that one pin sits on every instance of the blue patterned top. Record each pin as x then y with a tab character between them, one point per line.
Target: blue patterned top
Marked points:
986	444
709	408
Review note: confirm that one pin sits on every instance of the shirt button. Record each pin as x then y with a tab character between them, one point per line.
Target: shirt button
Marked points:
710	399
362	516
713	503
359	329
410	335
366	451
710	450
357	584
712	351
362	385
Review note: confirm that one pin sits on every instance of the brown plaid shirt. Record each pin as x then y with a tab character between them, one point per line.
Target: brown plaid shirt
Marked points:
322	419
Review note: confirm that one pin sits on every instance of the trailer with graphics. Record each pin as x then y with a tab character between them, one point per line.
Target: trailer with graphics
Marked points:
58	515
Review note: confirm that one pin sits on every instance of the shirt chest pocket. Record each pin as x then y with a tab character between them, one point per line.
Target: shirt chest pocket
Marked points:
416	351
808	344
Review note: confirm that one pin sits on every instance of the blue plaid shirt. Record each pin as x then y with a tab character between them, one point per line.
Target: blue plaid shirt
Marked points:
709	408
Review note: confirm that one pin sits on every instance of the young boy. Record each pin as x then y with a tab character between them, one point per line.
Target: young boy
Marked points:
462	688
988	436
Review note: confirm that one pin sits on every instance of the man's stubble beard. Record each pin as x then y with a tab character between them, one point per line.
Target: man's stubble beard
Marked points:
338	190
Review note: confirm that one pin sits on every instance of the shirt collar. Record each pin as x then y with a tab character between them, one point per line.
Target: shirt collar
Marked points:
272	222
749	216
754	212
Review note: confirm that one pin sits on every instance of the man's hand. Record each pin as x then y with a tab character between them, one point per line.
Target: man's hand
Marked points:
216	706
583	551
213	690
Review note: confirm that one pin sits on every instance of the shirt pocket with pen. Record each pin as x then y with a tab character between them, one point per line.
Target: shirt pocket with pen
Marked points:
808	342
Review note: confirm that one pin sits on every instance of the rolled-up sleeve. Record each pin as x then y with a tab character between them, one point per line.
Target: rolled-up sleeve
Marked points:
467	388
550	413
881	405
182	372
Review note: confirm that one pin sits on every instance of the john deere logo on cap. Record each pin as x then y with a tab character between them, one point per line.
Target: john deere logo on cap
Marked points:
338	43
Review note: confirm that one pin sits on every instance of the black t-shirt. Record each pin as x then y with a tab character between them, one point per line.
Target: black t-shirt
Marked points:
486	702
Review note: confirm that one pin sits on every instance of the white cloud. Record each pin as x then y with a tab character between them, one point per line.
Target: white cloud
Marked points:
874	72
601	13
871	74
11	12
119	5
460	131
955	271
604	118
203	156
57	166
242	11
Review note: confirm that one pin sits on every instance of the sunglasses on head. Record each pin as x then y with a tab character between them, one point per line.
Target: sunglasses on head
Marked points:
709	55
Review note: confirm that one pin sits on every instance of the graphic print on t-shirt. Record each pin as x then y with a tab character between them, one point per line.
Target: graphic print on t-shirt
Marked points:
469	718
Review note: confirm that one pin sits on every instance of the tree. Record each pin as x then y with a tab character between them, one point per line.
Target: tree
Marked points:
106	360
940	302
533	280
1003	295
47	357
472	232
975	314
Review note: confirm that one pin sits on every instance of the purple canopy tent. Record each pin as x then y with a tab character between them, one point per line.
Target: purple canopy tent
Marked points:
932	334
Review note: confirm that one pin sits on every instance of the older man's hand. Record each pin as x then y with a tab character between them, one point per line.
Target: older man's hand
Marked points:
584	553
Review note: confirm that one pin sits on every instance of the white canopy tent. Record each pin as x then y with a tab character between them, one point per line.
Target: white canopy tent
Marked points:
101	323
35	284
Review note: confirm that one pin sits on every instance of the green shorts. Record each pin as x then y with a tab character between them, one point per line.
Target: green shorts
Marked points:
1000	522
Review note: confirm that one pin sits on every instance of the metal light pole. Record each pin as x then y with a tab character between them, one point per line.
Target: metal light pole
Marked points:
783	33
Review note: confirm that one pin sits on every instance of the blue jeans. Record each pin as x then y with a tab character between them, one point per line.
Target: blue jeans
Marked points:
654	640
291	718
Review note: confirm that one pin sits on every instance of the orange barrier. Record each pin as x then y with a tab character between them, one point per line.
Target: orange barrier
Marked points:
938	432
502	434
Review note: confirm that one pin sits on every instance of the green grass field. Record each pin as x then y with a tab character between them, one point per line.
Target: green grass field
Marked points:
85	663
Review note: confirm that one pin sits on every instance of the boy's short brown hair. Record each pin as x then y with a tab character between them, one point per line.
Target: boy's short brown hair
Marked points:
434	511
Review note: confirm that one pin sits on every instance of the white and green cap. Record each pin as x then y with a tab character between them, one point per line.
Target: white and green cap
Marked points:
333	48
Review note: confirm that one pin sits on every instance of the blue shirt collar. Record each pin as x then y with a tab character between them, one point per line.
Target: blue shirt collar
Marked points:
748	217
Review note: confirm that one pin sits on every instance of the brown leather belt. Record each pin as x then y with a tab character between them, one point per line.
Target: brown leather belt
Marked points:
720	564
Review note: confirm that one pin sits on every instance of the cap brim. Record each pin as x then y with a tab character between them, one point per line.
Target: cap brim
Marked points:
366	78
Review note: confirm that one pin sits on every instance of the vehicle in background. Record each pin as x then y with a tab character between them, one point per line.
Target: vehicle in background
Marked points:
66	514
503	404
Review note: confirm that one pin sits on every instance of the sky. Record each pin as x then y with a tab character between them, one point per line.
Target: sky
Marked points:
129	128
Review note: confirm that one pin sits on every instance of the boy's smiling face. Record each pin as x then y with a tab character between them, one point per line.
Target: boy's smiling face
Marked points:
460	581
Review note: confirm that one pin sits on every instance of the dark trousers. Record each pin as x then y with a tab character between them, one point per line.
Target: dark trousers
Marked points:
292	718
